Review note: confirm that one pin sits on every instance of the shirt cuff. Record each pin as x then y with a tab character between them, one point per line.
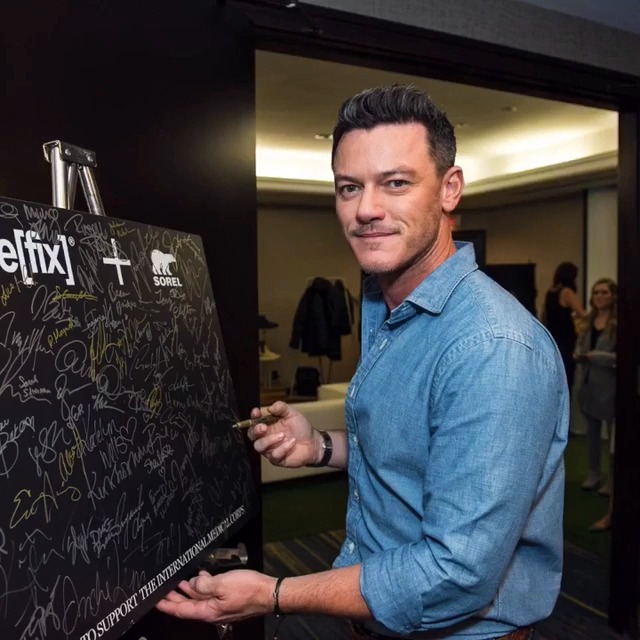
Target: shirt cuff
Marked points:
393	597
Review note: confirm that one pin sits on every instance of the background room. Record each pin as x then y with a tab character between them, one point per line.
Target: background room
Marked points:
540	174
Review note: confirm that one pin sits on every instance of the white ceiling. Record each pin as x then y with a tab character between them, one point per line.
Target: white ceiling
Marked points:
501	136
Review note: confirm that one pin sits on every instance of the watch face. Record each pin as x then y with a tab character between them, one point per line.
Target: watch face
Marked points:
327	447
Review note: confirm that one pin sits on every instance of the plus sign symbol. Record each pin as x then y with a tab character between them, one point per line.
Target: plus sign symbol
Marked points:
118	263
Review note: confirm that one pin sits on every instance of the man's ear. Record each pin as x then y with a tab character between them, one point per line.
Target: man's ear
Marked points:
452	186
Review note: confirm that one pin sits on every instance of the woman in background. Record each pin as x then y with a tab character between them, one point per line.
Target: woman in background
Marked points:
596	351
561	306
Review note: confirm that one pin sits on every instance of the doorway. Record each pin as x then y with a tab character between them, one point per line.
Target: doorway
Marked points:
391	52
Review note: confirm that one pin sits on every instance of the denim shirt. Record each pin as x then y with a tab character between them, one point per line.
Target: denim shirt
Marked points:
457	419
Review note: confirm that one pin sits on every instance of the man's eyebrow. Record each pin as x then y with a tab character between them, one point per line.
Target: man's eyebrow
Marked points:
396	171
342	176
385	174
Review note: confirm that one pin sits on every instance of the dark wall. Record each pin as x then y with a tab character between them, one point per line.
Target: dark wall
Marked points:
164	93
624	596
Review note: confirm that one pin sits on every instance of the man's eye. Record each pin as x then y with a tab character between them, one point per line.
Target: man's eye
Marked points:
347	189
396	184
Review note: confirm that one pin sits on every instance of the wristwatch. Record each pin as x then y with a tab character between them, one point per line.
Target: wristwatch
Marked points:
327	450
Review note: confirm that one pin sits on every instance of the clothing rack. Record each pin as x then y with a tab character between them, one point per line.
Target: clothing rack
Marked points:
347	293
348	299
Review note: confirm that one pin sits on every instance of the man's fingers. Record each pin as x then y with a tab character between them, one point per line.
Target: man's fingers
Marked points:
219	599
262	445
280	409
275	446
280	453
203	586
174	596
260	430
189	590
187	609
284	449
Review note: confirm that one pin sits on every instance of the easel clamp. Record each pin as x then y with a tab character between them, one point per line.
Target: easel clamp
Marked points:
70	153
67	162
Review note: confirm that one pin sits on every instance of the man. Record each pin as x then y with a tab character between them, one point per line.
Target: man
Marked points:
456	416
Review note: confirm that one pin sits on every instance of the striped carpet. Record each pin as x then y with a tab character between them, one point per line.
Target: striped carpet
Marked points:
299	556
579	613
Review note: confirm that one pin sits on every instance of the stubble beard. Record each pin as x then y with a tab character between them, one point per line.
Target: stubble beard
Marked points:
396	270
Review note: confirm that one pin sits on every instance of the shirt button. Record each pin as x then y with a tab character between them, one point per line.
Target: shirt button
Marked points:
355	439
356	495
351	546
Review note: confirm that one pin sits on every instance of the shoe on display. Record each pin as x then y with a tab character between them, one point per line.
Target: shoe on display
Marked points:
266	355
592	482
263	323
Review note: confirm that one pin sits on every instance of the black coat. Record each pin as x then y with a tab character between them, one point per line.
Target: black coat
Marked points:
321	318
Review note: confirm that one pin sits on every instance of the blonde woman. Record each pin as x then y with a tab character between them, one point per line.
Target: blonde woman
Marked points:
595	349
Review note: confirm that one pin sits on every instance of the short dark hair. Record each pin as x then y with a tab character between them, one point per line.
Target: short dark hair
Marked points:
566	274
398	104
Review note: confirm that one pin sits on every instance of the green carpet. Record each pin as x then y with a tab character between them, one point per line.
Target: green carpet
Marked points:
295	508
304	506
583	508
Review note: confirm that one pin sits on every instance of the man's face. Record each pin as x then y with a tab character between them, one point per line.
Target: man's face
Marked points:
389	197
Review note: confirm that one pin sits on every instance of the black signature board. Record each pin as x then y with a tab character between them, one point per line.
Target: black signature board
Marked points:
118	463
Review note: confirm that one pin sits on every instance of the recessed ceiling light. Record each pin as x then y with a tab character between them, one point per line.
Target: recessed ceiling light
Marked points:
323	136
509	108
460	125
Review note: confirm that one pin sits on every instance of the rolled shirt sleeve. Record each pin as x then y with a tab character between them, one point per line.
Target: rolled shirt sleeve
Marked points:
496	407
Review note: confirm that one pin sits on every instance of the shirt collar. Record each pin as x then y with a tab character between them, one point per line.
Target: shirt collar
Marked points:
434	291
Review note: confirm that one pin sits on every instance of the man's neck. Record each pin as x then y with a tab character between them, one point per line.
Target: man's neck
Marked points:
397	286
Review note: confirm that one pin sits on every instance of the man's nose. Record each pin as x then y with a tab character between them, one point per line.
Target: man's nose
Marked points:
370	206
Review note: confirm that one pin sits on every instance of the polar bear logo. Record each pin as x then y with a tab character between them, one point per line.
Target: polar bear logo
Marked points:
161	262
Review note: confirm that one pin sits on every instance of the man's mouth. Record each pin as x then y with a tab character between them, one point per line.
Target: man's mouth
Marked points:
373	233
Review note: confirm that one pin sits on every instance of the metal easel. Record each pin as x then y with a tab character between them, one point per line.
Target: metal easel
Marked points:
67	163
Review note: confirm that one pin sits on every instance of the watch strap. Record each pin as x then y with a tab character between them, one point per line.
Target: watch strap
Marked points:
327	450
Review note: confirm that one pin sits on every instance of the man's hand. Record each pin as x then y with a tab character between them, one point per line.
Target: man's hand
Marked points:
237	595
290	442
223	598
